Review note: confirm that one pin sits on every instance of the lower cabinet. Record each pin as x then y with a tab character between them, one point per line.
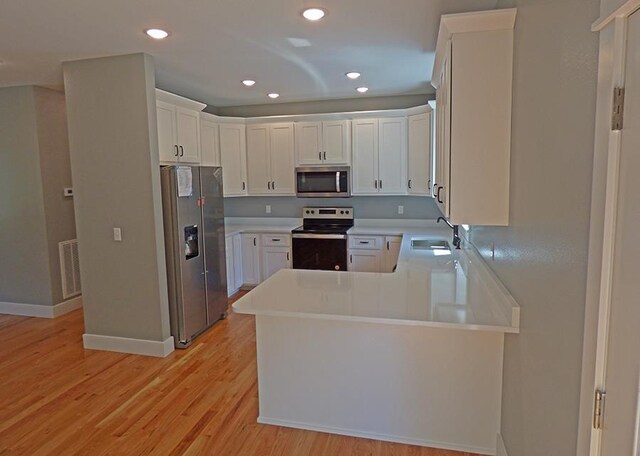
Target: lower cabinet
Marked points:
373	253
233	246
251	259
391	252
274	259
365	260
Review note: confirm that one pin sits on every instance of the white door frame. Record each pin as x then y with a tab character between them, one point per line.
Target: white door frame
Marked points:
616	66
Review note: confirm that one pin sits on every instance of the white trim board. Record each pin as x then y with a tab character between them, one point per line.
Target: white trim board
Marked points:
368	435
127	345
41	311
626	10
501	449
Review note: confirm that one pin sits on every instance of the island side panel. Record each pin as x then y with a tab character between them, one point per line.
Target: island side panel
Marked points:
411	384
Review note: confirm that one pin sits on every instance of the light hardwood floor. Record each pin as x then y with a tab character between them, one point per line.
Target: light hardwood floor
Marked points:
58	399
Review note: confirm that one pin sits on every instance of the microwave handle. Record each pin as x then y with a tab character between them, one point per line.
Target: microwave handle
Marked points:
337	181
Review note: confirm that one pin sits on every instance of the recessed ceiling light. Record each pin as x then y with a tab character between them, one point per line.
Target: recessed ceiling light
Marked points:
353	75
313	14
248	82
157	34
362	89
273	95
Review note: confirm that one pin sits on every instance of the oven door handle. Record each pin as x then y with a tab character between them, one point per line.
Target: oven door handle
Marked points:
318	236
337	181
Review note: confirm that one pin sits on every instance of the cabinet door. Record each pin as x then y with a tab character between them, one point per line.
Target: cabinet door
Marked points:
274	259
443	158
308	143
391	252
281	163
167	142
233	159
258	159
237	261
250	259
231	281
419	169
364	260
392	156
188	128
209	145
336	142
365	156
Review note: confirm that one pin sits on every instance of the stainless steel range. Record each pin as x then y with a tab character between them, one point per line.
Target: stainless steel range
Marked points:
321	242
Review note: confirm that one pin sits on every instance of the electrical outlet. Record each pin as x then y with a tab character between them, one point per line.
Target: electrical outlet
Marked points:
117	234
400	210
67	191
268	209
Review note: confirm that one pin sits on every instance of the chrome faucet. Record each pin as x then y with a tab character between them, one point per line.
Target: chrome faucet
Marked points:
456	236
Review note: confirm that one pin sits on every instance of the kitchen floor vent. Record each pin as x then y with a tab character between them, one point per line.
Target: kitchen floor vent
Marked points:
69	268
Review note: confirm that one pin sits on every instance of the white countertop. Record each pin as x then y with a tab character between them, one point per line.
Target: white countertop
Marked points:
448	291
260	225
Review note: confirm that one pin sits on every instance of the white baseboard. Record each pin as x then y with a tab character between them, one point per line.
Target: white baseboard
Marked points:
41	311
127	345
383	437
501	450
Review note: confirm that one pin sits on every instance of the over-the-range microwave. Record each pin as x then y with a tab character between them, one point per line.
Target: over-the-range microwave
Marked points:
323	182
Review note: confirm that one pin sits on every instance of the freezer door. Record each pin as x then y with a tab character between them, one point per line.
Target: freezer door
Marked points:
214	242
185	256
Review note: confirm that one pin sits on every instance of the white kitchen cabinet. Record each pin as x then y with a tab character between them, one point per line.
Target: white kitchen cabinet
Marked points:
274	259
251	259
419	154
228	246
270	159
391	252
322	143
209	141
233	158
365	260
233	246
178	121
379	156
473	79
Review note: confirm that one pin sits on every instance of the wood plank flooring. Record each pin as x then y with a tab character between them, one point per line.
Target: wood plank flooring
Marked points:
58	399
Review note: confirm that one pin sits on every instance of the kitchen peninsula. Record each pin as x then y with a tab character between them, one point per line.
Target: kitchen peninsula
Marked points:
413	356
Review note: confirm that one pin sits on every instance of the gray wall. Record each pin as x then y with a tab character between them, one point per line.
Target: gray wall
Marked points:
55	167
24	262
379	207
324	106
542	256
114	161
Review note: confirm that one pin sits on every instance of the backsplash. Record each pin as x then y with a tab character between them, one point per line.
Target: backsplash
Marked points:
365	207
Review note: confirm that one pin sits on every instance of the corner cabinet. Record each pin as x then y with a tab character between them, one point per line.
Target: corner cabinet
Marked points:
473	80
270	159
379	156
419	162
233	158
178	128
323	143
209	140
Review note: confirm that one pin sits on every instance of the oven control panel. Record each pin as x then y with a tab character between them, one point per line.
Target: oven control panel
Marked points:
327	213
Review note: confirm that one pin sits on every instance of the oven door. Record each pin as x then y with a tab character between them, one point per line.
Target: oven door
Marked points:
327	182
326	252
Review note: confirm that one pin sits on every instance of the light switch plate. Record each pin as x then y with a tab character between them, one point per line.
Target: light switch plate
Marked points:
117	234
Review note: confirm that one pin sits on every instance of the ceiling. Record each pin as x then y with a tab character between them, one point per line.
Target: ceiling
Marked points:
214	44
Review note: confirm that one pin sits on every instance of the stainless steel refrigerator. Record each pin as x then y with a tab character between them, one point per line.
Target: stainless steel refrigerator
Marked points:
195	247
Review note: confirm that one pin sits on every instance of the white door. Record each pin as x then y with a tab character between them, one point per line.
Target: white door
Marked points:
237	261
391	252
250	259
258	176
308	143
233	154
622	379
188	128
419	150
274	259
336	142
281	159
392	156
209	146
364	261
167	143
365	157
228	244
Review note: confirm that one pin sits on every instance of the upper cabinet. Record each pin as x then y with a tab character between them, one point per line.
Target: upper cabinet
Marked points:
209	140
379	156
473	80
233	158
178	128
270	159
419	163
322	143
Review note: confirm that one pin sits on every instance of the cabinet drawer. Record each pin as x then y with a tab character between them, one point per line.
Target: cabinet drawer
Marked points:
366	242
275	240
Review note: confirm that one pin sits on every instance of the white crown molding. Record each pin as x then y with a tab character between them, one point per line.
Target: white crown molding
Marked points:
41	311
159	349
177	100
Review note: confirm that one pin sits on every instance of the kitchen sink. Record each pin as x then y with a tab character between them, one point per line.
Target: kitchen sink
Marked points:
426	244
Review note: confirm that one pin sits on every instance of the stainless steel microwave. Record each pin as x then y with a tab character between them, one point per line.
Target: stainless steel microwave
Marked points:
323	182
